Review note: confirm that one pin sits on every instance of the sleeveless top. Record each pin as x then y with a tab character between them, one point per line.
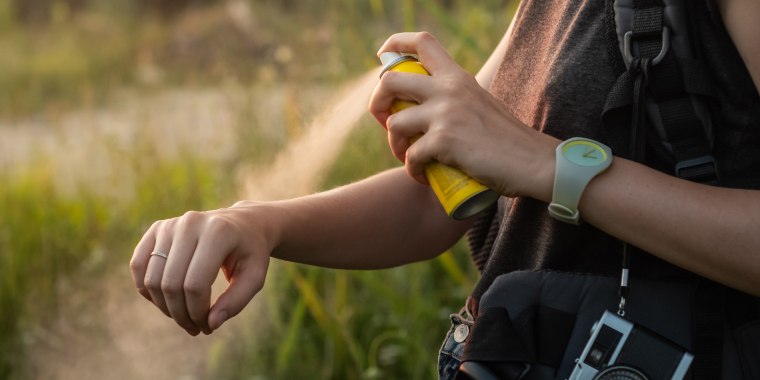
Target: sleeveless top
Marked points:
555	77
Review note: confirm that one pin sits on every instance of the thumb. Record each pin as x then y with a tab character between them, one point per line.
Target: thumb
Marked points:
244	284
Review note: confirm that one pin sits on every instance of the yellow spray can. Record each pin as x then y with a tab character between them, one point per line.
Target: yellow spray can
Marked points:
460	195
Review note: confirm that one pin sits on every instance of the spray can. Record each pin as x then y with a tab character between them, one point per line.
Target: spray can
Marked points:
460	195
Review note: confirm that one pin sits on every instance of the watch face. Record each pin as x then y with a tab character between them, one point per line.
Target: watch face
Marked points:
584	153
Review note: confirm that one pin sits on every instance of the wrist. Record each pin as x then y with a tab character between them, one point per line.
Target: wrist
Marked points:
261	221
540	176
546	173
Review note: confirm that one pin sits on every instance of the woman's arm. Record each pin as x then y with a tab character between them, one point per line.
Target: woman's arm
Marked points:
383	221
486	73
741	20
712	231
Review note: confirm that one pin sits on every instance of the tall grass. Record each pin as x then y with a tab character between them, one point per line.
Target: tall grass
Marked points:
42	237
47	239
347	325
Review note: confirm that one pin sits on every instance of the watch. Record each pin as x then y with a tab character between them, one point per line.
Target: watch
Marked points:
579	160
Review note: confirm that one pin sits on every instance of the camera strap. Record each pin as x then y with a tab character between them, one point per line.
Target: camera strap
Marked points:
624	274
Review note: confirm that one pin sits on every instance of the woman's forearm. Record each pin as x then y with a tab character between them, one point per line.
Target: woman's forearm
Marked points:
712	231
383	221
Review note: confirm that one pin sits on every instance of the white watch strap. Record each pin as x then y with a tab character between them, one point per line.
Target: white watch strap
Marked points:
568	188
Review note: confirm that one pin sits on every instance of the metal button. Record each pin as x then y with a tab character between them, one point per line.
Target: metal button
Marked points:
461	332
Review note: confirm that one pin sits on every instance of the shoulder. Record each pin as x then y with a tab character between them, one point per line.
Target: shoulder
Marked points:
740	18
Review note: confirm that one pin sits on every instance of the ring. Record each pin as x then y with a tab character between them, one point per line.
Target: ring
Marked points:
160	254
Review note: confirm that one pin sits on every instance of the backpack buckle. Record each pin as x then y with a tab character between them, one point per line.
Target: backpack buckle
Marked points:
702	169
628	56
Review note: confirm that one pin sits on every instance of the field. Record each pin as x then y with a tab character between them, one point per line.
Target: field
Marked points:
116	113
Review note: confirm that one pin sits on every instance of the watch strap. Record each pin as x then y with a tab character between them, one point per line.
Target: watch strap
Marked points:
568	188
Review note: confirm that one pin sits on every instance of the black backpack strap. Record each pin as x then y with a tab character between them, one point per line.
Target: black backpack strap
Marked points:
663	88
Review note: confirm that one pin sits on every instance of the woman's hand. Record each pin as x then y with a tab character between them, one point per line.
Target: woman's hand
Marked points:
196	245
461	124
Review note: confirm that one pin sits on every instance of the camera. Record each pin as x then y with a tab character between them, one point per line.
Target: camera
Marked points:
619	349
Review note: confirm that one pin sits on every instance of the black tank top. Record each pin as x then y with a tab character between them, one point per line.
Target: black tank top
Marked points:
555	77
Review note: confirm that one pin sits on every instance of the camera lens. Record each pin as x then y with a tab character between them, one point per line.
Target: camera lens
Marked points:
620	372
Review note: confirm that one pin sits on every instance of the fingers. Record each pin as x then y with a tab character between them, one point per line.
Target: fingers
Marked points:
246	279
139	263
418	139
176	269
433	95
404	128
197	246
155	268
203	270
430	52
418	156
409	87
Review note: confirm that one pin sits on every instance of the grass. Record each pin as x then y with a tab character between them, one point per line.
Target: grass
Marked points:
66	64
348	325
42	237
318	323
45	238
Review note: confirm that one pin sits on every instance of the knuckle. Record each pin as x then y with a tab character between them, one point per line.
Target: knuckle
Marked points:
156	225
192	217
165	227
151	283
447	136
390	124
218	224
447	140
136	266
194	288
170	287
412	157
424	37
394	36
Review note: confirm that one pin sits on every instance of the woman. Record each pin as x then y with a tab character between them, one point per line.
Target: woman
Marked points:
548	80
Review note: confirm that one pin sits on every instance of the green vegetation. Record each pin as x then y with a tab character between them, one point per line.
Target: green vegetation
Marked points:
77	55
80	55
47	239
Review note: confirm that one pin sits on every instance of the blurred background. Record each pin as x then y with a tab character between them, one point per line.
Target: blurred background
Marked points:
117	113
